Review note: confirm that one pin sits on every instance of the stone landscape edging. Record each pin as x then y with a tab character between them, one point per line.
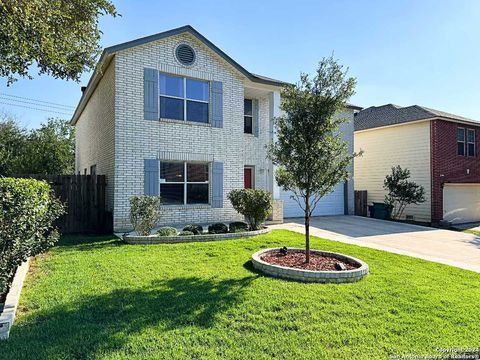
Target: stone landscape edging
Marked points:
157	239
7	316
304	275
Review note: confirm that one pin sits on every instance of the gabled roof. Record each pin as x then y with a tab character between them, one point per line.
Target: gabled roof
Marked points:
390	114
208	43
110	51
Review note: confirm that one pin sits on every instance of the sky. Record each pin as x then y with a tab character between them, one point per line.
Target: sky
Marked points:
424	52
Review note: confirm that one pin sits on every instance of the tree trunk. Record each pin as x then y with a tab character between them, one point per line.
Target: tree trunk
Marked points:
307	230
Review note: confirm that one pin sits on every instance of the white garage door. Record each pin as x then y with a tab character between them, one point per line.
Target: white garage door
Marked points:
332	204
461	203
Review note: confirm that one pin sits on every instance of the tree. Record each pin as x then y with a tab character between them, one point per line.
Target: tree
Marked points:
12	141
310	154
401	191
60	37
47	150
50	149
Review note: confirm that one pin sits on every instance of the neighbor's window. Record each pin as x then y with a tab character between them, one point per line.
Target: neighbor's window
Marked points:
248	116
183	183
183	99
461	141
471	142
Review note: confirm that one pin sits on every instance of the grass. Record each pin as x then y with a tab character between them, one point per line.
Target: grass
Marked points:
94	297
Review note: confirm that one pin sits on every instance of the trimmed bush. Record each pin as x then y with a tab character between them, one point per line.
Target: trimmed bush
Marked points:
217	228
185	233
144	213
238	226
167	231
28	210
254	204
194	228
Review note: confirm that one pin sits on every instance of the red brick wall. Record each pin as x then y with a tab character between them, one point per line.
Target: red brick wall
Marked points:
446	165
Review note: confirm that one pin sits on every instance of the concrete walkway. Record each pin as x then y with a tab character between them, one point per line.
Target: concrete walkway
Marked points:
444	246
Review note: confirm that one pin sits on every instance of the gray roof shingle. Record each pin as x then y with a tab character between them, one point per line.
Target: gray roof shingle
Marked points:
390	114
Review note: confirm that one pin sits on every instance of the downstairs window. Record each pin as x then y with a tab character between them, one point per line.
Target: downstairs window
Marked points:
183	183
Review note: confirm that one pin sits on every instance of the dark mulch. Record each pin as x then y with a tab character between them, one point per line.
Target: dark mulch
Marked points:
296	259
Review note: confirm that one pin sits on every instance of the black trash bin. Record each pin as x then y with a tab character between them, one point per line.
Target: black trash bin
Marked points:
382	211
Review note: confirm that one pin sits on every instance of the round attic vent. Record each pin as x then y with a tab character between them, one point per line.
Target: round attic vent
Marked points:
185	54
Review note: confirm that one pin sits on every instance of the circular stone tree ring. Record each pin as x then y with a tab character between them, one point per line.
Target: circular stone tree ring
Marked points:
297	274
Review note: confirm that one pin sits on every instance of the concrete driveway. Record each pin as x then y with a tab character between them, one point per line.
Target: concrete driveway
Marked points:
444	246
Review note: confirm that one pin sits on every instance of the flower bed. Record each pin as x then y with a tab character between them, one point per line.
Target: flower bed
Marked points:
157	239
268	261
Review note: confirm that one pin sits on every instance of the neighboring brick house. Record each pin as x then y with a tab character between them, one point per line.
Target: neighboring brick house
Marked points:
173	115
440	150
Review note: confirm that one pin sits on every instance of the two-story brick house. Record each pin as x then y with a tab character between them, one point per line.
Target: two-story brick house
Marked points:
173	115
440	150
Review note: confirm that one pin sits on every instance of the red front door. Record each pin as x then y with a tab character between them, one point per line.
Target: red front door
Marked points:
247	178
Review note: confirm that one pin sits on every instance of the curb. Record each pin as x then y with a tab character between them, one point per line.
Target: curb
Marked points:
304	275
7	316
155	239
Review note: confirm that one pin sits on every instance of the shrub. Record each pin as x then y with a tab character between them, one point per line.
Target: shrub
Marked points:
167	231
402	191
144	213
185	233
238	226
254	204
28	210
194	228
217	228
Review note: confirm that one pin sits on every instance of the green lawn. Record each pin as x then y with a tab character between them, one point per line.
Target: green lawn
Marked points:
94	297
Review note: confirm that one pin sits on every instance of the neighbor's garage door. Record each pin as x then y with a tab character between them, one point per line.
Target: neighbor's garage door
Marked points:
461	203
332	204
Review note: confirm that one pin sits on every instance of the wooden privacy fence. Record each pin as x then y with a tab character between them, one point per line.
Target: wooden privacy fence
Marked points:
361	202
84	196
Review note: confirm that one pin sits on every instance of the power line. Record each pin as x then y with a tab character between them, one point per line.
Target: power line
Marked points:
37	100
55	107
34	108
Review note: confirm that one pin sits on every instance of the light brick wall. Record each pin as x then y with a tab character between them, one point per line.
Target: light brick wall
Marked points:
95	133
138	139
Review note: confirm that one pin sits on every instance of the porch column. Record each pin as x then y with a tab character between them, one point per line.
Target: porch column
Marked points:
274	102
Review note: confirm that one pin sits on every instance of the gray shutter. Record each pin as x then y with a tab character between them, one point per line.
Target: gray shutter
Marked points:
150	94
217	104
256	117
151	168
217	184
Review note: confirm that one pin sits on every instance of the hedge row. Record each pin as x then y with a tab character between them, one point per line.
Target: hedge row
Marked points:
28	210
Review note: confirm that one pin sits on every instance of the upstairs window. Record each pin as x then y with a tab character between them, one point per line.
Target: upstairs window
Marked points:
461	141
471	142
248	116
184	99
184	183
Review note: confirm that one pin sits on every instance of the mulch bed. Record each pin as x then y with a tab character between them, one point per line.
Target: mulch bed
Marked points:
296	259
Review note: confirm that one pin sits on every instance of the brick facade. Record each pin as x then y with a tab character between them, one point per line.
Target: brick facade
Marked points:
137	139
113	134
446	165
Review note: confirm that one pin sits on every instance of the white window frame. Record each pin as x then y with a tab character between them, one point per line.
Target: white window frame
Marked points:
184	98
185	182
470	142
250	116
